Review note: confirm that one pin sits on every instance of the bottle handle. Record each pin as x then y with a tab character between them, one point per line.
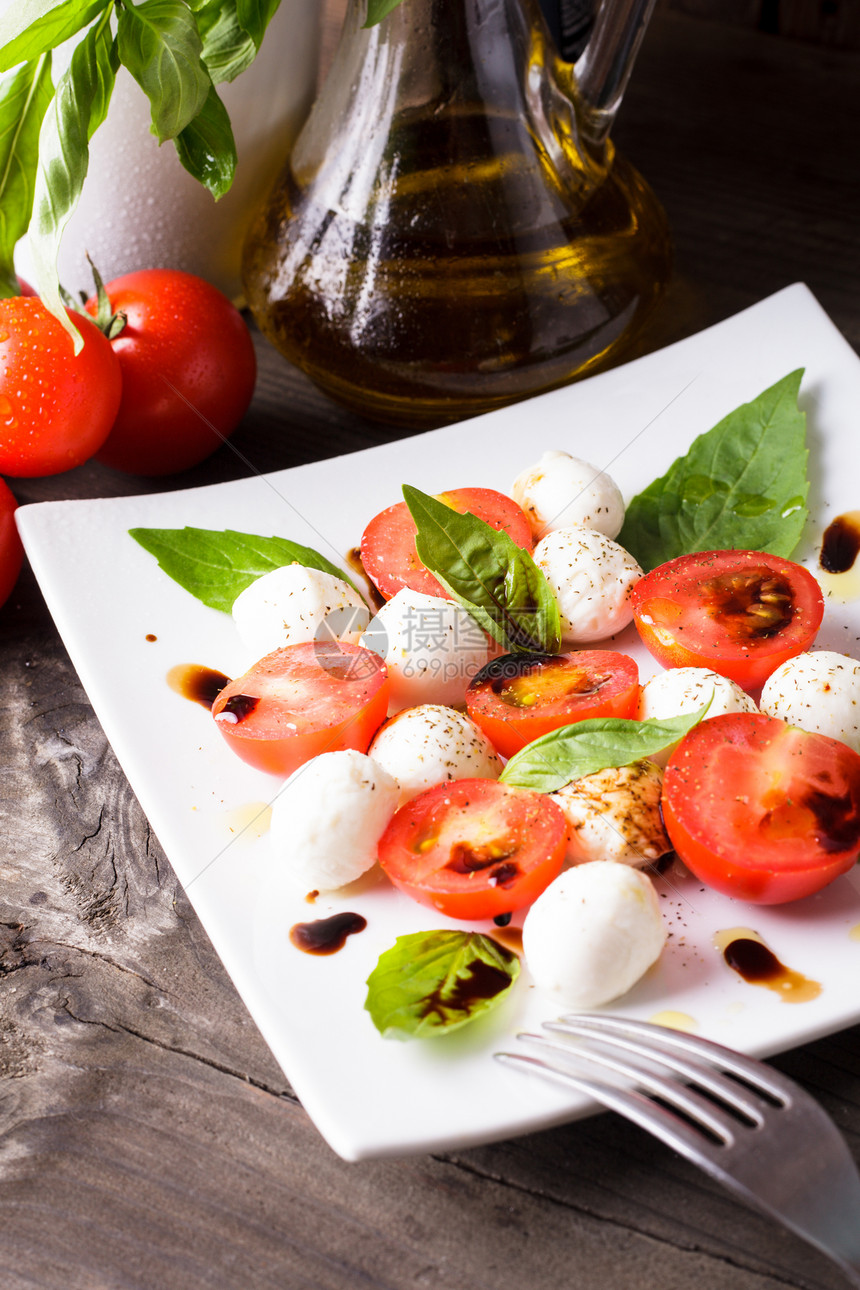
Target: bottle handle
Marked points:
603	68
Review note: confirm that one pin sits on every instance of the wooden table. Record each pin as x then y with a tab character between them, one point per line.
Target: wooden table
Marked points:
148	1138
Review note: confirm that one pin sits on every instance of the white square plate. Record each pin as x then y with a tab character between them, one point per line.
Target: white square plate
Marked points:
369	1096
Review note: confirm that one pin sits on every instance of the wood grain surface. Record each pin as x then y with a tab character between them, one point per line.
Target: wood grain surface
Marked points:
148	1140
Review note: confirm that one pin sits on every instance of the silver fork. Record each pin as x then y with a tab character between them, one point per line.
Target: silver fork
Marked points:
746	1125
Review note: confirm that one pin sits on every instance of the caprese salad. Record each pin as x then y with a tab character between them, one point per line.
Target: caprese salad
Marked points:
479	738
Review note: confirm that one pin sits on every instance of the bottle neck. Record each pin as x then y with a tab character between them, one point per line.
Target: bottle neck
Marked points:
447	51
447	61
477	48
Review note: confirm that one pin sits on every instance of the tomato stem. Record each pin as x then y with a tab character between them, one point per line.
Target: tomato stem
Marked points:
108	322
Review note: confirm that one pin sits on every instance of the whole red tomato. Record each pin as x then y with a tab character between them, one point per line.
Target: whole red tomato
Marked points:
56	408
11	550
188	371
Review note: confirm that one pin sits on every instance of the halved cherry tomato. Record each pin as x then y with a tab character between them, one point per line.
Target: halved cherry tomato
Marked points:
761	810
475	848
388	543
519	697
740	613
302	700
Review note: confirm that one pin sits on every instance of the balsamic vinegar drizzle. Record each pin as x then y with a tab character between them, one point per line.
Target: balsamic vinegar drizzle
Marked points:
745	952
374	596
200	684
326	935
482	981
841	544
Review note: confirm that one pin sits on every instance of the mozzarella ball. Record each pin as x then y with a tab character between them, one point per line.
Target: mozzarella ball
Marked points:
592	934
561	491
686	689
819	692
328	818
289	606
432	648
592	578
431	744
614	814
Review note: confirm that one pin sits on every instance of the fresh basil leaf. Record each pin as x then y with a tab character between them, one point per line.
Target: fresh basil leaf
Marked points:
29	29
741	486
586	747
24	98
216	567
254	17
228	50
434	982
160	45
488	574
206	146
74	114
379	9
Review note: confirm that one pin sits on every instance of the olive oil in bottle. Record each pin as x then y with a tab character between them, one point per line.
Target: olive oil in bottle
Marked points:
445	239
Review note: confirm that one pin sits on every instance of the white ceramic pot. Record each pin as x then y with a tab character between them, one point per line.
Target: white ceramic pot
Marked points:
141	209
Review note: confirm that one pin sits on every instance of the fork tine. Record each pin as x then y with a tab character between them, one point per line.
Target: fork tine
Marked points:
703	1113
652	1117
738	1097
752	1072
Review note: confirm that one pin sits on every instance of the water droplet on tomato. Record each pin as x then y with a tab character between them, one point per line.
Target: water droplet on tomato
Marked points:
5	406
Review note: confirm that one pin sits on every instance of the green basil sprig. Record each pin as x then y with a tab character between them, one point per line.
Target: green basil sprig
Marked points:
176	51
24	99
228	49
73	115
741	486
586	747
160	45
206	146
488	574
255	15
216	567
31	28
431	983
